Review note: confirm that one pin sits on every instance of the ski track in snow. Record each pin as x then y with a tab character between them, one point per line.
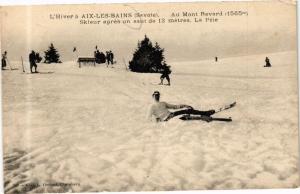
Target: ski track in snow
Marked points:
88	126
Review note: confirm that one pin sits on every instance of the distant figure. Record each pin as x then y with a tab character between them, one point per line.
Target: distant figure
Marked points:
102	57
165	74
3	60
97	56
268	64
111	57
32	61
159	110
216	59
107	58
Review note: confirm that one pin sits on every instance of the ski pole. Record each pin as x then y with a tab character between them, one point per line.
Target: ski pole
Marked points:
226	107
22	64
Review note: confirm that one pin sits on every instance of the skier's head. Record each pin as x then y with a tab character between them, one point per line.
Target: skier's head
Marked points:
156	95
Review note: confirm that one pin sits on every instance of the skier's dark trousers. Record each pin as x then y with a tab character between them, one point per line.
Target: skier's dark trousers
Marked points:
189	112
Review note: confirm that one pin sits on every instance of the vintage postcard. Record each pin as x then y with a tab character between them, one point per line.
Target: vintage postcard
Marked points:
149	97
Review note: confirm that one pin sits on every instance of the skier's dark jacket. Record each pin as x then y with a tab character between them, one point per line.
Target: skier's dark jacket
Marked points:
32	57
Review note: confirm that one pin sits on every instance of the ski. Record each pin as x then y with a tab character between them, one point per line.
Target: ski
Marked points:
204	118
225	107
222	119
22	65
209	118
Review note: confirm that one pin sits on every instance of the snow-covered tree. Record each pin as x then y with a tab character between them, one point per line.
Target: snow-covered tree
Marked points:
51	55
147	58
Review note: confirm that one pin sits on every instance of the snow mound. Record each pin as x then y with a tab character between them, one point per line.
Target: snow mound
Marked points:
85	129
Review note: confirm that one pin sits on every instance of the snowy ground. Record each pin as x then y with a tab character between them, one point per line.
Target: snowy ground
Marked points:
88	126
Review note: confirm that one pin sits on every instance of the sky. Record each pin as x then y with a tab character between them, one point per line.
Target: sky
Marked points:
268	27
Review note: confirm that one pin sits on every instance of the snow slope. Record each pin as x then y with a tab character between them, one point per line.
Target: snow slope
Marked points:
88	126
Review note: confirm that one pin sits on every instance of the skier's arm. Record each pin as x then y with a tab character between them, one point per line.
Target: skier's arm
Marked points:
171	106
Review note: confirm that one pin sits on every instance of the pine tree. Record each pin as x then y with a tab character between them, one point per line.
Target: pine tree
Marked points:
147	58
38	57
51	55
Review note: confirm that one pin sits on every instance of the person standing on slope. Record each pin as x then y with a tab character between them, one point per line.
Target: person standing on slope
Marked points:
165	74
160	110
107	58
3	60
111	57
268	64
32	61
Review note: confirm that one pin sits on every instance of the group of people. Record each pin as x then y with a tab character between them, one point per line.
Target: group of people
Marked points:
267	60
100	57
160	110
33	59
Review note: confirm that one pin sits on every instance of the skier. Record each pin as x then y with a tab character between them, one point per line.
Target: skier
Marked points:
32	60
3	60
268	64
216	59
97	56
160	111
102	57
107	58
165	74
111	57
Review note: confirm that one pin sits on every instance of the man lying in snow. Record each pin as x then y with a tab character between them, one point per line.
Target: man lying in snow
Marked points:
159	110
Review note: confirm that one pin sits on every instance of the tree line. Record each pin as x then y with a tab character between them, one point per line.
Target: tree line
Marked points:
147	58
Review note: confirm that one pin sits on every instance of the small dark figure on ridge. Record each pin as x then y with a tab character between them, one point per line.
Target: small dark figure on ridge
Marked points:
268	64
3	60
